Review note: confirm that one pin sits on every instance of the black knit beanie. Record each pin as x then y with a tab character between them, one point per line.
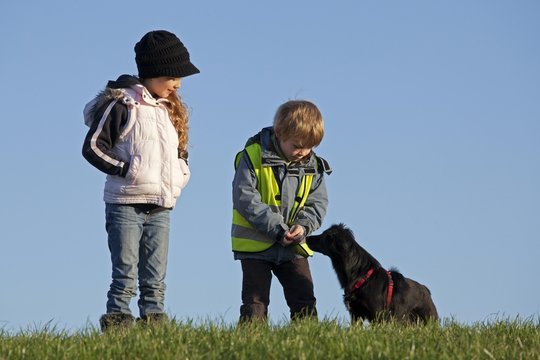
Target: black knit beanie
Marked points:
161	53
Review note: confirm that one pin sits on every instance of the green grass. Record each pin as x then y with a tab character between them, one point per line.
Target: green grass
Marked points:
328	339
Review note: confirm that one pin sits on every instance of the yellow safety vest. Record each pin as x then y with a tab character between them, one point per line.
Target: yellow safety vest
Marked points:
245	237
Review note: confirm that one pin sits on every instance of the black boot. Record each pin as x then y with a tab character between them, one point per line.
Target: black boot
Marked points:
152	318
116	321
253	313
308	312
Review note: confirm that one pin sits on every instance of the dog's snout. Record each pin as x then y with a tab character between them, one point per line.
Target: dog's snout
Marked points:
314	243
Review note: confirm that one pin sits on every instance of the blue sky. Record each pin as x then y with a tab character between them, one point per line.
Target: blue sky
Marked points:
432	119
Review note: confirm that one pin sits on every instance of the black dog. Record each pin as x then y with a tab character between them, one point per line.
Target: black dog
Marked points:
371	292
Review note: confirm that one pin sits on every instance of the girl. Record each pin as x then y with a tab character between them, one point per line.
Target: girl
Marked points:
138	137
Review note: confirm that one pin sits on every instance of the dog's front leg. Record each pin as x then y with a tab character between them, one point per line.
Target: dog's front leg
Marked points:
356	319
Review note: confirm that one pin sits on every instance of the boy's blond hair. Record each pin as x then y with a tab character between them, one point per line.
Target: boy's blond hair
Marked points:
300	120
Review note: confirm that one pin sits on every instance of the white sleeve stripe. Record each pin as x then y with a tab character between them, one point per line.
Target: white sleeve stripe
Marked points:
93	141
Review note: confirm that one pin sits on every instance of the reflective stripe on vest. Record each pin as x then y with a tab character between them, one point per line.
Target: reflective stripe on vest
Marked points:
244	237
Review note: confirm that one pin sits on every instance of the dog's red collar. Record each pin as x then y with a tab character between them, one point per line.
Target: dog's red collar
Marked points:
363	279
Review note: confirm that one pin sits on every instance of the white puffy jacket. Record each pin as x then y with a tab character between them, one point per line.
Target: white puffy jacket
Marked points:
132	139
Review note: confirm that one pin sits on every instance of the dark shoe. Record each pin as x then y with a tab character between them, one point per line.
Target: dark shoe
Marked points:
152	318
253	312
116	321
308	312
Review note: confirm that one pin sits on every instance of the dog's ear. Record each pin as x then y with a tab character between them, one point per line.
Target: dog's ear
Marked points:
341	246
341	238
334	243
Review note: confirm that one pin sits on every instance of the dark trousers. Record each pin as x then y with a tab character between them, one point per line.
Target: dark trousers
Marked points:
294	276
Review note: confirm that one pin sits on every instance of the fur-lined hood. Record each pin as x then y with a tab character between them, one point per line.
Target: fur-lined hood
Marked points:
115	90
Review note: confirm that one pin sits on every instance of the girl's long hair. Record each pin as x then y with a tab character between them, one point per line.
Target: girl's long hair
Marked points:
178	113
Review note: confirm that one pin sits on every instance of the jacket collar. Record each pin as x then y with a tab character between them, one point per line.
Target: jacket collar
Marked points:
139	92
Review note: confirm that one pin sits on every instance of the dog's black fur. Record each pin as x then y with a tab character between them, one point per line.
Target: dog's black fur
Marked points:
411	302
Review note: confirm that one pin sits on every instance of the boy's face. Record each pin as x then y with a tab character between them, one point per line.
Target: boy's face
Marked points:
162	86
292	150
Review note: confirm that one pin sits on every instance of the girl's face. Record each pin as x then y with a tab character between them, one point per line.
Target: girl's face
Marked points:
162	86
292	150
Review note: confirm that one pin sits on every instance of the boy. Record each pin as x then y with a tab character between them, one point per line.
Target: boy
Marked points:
279	198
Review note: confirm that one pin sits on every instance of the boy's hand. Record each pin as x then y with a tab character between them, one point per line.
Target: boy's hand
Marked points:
285	242
295	235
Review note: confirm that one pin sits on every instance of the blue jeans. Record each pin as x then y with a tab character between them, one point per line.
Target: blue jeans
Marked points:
139	245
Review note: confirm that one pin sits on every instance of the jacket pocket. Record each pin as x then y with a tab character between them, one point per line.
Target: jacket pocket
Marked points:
134	167
185	173
180	176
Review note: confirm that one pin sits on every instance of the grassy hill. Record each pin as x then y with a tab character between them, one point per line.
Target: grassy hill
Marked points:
327	339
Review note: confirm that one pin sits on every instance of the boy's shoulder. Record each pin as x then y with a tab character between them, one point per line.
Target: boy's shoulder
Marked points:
255	139
322	165
261	137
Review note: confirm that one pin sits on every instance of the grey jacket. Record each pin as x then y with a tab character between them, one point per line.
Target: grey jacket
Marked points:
247	200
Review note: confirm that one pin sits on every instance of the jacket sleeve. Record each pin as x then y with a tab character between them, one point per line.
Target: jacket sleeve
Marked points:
312	214
102	136
247	201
